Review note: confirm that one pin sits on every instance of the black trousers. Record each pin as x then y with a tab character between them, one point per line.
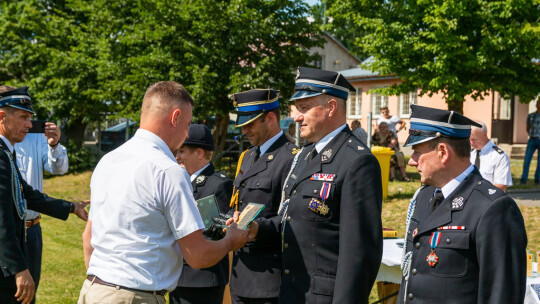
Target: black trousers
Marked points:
236	299
197	295
34	244
7	295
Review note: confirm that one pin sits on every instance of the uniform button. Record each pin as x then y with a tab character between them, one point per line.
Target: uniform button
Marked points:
286	245
294	192
242	185
275	255
257	184
414	271
448	241
417	245
409	232
286	271
240	202
288	218
315	191
479	183
286	186
410	296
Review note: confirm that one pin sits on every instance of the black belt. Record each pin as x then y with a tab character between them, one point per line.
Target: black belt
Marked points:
94	279
534	137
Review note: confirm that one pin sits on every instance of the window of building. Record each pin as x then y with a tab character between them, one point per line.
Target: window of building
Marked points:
354	104
405	102
377	102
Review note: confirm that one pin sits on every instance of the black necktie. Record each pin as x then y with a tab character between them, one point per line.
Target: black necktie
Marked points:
439	197
258	153
314	152
14	155
477	160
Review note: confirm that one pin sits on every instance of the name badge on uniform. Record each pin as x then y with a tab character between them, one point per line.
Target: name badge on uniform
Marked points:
323	177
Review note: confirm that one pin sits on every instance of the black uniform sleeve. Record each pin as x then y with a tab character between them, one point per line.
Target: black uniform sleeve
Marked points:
12	258
40	202
360	234
501	237
223	193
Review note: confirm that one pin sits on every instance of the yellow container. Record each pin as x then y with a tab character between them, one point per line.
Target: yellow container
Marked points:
383	155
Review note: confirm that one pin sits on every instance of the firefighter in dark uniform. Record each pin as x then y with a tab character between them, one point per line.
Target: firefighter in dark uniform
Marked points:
204	286
465	238
16	283
329	221
261	171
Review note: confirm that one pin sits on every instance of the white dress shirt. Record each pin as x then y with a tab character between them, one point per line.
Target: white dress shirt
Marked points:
494	166
328	138
453	184
141	203
33	155
194	175
264	147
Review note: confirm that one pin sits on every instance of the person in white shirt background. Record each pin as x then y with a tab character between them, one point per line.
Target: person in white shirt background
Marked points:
492	161
390	120
38	152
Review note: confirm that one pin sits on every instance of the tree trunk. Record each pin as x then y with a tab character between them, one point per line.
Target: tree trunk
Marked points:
75	131
219	132
455	105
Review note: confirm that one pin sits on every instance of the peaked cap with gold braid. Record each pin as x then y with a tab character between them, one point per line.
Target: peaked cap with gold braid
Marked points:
250	105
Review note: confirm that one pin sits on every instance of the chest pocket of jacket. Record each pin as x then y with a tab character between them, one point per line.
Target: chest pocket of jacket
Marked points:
260	183
311	194
453	252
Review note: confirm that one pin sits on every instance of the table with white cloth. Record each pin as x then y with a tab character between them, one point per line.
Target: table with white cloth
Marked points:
390	270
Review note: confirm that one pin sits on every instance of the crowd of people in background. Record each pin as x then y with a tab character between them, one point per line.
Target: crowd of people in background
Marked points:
318	238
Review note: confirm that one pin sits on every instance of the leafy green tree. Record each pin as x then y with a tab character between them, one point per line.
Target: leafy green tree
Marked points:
457	47
82	58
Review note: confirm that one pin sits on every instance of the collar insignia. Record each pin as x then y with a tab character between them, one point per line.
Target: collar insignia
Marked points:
200	179
326	155
270	157
457	203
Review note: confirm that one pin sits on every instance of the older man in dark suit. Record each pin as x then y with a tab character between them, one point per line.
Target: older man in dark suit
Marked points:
16	283
329	222
465	238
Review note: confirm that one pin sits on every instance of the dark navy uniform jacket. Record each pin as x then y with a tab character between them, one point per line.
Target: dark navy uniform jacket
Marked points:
332	257
256	271
482	263
12	234
207	183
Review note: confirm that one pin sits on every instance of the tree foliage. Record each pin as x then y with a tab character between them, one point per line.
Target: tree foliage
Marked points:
457	47
82	58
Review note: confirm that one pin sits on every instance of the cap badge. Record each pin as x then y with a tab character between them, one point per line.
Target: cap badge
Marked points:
297	74
457	203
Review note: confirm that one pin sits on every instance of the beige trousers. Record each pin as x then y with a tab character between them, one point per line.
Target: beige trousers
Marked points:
92	293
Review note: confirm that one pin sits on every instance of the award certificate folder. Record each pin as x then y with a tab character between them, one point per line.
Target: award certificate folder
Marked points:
208	208
249	214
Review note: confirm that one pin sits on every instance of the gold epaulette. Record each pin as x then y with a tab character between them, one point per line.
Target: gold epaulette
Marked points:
234	198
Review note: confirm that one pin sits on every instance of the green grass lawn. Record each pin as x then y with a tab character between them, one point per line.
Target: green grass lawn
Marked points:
63	270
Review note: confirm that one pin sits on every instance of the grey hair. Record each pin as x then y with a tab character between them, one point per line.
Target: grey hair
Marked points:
483	128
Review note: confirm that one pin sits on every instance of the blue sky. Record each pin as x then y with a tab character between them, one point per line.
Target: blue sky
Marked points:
311	2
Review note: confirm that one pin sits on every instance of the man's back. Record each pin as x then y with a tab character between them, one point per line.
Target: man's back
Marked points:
141	203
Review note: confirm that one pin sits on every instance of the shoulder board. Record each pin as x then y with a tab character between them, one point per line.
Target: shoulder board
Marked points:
499	150
354	143
489	190
220	175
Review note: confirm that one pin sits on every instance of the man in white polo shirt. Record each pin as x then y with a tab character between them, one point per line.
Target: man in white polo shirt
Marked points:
492	162
143	218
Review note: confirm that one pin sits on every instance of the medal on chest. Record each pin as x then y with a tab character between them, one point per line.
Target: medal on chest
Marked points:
319	206
432	259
